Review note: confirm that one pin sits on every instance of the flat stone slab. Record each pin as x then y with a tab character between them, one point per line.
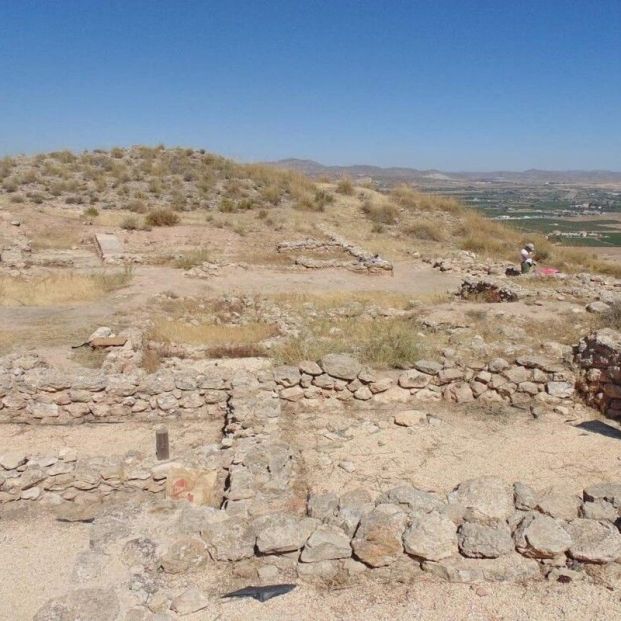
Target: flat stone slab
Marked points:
108	245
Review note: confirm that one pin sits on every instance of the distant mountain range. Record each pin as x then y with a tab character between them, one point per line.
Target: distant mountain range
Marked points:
394	174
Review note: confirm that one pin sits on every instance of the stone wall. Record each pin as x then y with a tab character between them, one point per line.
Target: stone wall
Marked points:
528	380
32	392
598	357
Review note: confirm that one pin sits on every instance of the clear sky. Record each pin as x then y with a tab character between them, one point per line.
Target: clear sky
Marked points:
449	84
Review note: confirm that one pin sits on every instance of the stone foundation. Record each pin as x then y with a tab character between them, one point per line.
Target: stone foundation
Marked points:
599	358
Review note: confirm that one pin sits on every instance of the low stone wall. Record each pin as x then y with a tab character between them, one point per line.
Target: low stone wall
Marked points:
363	260
599	358
55	479
340	378
483	530
31	392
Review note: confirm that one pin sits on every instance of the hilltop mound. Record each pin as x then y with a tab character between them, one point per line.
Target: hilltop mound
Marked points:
142	187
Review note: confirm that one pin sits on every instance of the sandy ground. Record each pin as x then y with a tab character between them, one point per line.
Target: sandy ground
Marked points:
37	556
543	453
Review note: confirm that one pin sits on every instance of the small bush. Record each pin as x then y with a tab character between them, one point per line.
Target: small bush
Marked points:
74	200
91	212
162	217
385	213
426	230
10	185
226	205
131	223
136	206
345	186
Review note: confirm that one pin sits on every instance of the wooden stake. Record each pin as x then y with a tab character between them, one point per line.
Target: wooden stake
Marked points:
162	450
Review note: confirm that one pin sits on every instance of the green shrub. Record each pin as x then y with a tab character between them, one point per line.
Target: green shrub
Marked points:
91	212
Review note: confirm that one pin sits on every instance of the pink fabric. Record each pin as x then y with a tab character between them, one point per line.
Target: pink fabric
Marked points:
547	271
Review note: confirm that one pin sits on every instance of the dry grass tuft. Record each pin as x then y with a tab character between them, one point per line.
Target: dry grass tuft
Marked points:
192	259
426	229
60	288
161	217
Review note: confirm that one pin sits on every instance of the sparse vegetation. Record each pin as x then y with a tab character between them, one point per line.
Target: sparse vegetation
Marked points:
61	288
161	217
345	186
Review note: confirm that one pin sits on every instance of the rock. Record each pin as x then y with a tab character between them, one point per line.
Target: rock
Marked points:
11	460
363	393
287	376
348	466
282	533
322	570
599	510
428	366
410	418
497	365
506	568
562	390
184	554
413	379
597	307
454	374
191	600
352	506
610	492
81	605
489	497
295	393
341	366
541	536
460	392
378	540
322	506
478	540
593	541
381	385
394	394
326	543
524	496
309	367
139	551
73	512
229	540
559	505
412	499
609	575
430	537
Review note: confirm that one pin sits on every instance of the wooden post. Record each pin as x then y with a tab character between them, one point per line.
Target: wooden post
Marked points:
162	450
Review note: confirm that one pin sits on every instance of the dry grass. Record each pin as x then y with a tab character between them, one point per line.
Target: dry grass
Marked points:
60	288
211	335
426	229
192	259
390	343
493	239
412	200
333	300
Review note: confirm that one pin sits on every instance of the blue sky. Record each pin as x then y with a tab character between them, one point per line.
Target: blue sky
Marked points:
455	85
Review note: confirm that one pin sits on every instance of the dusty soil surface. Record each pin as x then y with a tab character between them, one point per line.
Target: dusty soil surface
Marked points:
106	439
553	452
